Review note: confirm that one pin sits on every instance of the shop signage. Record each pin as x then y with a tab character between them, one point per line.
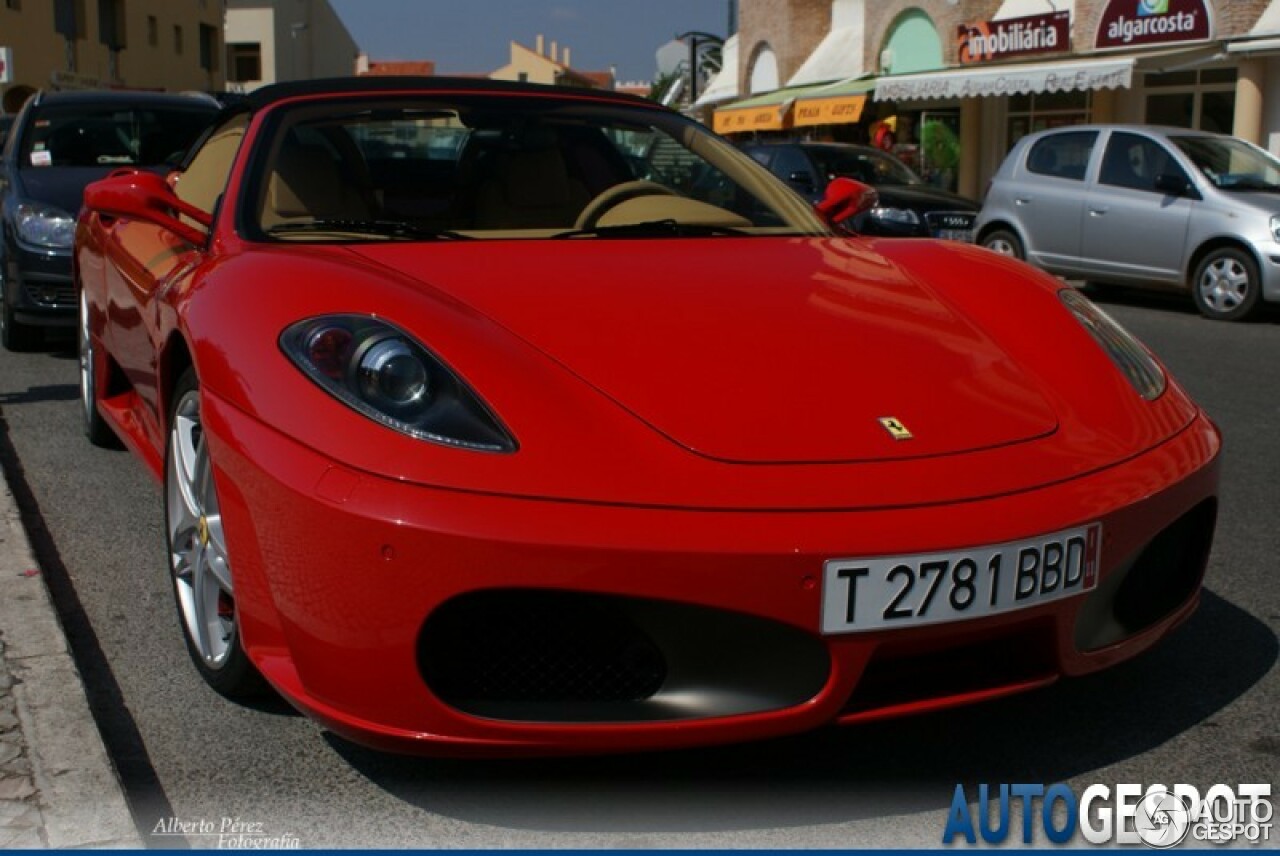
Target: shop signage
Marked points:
836	110
71	80
737	121
1011	80
1131	23
987	40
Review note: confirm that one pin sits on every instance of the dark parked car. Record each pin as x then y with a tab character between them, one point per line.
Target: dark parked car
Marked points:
909	207
59	143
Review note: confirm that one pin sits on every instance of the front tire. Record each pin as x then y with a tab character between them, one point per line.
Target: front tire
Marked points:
198	562
1226	285
95	427
1006	243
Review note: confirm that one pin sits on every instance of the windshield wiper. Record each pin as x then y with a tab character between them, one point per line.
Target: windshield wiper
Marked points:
652	228
387	228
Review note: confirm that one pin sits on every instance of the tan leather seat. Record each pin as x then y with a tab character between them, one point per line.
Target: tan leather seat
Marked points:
308	183
529	189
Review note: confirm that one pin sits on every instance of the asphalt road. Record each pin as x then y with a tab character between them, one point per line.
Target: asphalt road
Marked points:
1200	709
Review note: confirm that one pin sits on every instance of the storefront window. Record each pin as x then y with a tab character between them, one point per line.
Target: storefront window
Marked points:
1203	99
1043	110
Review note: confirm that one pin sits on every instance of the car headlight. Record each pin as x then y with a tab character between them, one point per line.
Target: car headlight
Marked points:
44	226
902	216
1275	228
380	371
1125	351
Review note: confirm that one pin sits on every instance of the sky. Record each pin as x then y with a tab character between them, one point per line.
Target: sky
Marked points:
472	36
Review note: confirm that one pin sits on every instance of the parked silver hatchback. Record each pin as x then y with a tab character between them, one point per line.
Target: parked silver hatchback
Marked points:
1138	205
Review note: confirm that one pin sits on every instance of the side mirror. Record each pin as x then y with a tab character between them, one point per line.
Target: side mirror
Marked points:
146	196
1172	185
844	200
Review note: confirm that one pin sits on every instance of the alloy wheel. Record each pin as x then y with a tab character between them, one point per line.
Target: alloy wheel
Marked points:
197	547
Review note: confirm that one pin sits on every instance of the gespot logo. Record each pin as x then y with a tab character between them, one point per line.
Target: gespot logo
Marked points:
1157	816
1152	7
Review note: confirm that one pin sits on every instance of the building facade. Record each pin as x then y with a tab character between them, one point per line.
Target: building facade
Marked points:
549	64
89	44
271	41
950	85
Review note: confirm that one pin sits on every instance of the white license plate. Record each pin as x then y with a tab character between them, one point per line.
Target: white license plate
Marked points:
955	235
886	592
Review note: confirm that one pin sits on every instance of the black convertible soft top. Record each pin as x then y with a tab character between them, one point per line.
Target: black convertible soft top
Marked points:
267	95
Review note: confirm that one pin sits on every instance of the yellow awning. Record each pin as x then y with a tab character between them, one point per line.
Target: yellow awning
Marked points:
739	120
837	110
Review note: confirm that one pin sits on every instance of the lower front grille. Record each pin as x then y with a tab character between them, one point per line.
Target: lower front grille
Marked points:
538	647
535	655
51	293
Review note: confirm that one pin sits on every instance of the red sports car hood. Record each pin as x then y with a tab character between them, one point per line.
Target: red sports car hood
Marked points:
750	350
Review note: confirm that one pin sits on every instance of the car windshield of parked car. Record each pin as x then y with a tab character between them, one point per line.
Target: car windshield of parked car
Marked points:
1231	164
502	167
88	136
866	165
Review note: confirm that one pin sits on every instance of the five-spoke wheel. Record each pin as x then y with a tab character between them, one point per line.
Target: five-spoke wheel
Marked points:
198	556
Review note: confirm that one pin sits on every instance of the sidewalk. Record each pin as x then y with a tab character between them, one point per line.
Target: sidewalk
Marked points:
57	786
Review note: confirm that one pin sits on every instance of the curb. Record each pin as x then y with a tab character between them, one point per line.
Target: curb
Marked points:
78	796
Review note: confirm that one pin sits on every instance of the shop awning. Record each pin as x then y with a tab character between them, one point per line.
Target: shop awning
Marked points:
724	86
838	57
768	112
1269	23
1026	8
1012	79
836	104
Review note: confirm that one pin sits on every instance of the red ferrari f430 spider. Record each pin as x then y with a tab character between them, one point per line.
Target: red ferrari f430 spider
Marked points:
502	419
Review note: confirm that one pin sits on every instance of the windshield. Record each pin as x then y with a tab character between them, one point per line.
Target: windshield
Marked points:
471	166
1231	164
84	135
863	164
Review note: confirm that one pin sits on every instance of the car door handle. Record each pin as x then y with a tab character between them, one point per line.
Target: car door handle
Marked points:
1022	200
1098	212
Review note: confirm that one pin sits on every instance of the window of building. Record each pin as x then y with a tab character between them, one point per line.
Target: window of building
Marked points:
153	31
68	18
244	62
111	31
208	47
1042	110
1204	99
177	39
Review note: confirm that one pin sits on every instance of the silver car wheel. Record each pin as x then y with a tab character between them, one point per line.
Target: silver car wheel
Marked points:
1003	247
1224	284
197	548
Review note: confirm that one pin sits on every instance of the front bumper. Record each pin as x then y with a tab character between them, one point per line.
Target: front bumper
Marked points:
337	573
40	287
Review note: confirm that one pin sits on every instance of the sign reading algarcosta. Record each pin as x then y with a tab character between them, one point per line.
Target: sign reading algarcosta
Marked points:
1127	23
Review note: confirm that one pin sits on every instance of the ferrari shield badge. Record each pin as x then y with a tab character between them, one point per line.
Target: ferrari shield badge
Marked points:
896	429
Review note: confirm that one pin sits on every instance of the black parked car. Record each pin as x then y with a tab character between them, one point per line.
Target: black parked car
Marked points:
908	208
59	143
